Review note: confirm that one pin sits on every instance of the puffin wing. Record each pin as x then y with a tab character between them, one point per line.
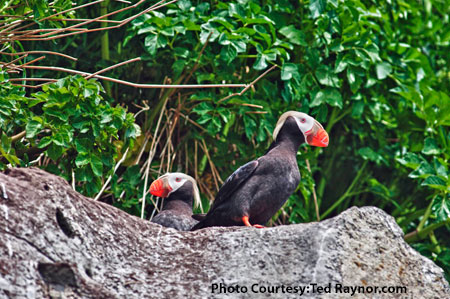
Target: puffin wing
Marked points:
233	182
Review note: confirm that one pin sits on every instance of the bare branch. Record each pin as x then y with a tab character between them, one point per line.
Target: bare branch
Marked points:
41	52
113	66
198	59
12	61
54	68
110	177
247	86
32	79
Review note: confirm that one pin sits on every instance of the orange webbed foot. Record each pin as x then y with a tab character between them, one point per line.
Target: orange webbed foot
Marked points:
247	223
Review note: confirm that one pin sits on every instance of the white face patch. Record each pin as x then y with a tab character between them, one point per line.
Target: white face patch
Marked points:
177	179
304	122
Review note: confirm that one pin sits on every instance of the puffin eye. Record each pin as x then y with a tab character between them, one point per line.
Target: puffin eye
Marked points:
303	120
178	180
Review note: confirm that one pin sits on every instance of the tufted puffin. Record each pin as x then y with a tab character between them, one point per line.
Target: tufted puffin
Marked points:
179	191
258	189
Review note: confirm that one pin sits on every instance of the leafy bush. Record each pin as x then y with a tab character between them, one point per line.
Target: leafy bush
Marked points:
68	122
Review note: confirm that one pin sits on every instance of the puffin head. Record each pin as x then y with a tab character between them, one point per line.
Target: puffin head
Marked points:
171	182
311	129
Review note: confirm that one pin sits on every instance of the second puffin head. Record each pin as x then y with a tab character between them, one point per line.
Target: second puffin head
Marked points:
171	182
311	129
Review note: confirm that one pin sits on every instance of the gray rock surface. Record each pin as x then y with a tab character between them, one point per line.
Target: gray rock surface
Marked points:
56	243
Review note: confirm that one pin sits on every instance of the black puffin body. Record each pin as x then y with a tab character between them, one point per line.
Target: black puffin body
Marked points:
258	189
177	208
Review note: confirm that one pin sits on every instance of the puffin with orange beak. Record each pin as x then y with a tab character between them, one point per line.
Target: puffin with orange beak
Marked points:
180	192
257	190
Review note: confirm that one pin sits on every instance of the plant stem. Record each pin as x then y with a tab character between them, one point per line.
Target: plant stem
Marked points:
105	42
18	136
418	235
434	241
425	216
347	192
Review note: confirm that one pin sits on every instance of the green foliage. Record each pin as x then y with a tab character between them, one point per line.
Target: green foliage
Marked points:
68	122
374	73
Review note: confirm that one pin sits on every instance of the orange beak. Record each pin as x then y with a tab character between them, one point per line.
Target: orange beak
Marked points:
318	136
157	188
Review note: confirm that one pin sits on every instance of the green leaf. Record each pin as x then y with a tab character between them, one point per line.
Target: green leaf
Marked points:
58	114
54	151
184	4
430	147
410	160
369	154
96	165
317	7
373	51
32	128
150	43
424	170
260	62
358	109
82	159
328	95
383	70
6	142
250	126
327	77
441	208
439	166
45	142
436	182
288	71
340	64
333	97
228	53
294	35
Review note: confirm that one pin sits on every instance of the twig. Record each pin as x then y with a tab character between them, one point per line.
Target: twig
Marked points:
347	192
252	105
418	235
18	136
247	86
32	61
82	20
73	179
256	112
211	164
138	85
205	188
189	120
195	159
198	59
47	36
111	175
40	52
314	192
51	16
71	9
12	61
112	67
150	158
32	79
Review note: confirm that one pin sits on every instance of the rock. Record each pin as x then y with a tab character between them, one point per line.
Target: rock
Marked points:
57	243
